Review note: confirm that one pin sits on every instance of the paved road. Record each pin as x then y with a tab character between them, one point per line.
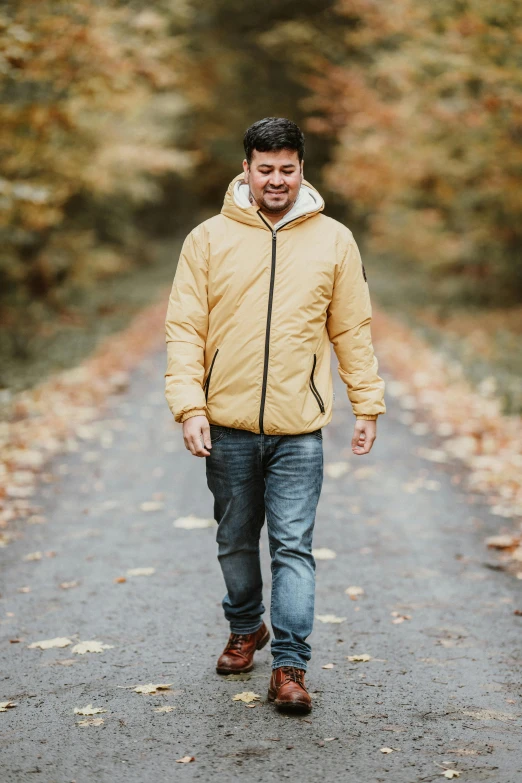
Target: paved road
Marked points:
442	688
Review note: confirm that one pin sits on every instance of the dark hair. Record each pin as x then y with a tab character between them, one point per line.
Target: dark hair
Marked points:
273	133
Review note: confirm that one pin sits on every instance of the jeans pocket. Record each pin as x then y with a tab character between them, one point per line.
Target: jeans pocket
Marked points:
217	432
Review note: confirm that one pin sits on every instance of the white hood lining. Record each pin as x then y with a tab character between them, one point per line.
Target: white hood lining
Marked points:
307	201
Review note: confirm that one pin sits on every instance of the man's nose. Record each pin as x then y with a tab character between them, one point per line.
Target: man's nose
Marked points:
276	179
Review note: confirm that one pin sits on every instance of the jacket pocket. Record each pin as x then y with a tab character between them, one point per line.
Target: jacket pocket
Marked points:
206	385
313	387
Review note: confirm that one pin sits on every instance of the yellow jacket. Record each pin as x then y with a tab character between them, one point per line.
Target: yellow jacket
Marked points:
252	312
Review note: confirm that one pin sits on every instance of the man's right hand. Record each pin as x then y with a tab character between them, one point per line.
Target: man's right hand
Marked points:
196	434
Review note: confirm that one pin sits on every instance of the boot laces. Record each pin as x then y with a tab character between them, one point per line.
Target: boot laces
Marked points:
293	674
235	641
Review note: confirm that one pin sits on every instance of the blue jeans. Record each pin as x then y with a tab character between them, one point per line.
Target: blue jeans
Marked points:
251	474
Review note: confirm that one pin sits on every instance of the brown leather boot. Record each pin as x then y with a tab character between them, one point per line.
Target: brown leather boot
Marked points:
238	655
288	690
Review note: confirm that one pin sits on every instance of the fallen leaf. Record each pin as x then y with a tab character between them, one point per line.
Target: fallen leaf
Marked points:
359	658
330	739
120	579
164	709
68	585
328	666
46	644
451	773
150	688
185	759
88	710
387	750
336	469
94	647
5	705
246	696
330	618
152	505
140	571
323	553
193	523
33	556
24	589
502	542
90	722
353	592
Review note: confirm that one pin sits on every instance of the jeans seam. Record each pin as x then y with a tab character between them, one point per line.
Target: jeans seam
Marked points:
299	665
244	632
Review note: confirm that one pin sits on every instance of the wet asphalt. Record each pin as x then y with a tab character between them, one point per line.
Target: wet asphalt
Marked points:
442	688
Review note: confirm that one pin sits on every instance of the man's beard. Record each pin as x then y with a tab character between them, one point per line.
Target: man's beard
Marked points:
276	208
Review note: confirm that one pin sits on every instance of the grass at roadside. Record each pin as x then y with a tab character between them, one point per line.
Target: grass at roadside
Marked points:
46	341
484	341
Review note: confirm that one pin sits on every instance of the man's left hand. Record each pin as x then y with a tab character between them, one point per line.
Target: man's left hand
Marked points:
364	434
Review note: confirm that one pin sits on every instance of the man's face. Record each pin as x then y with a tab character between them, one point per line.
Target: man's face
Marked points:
274	179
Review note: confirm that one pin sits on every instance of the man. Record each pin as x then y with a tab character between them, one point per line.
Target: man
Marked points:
259	293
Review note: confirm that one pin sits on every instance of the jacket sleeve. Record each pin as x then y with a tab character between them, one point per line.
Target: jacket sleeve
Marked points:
186	326
348	323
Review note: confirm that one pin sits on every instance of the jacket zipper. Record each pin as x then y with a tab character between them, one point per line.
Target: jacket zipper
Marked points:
314	389
269	317
207	382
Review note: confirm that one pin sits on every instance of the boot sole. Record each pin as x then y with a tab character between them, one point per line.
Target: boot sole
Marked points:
290	706
261	643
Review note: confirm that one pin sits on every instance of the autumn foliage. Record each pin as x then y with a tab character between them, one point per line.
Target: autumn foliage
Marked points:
424	101
90	101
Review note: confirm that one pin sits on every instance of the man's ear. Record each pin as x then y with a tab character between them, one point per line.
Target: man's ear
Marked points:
245	170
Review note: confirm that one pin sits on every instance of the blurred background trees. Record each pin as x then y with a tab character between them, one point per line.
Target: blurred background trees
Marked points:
122	126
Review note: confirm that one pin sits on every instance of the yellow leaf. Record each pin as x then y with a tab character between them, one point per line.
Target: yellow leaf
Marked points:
330	618
354	591
193	523
164	709
88	710
359	658
46	644
91	722
451	773
84	647
185	759
323	554
336	469
152	505
246	696
140	571
5	705
150	688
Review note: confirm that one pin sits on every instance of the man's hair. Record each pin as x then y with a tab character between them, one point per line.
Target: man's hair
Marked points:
273	133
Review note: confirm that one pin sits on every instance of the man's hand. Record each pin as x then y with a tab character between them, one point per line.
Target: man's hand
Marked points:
196	434
364	433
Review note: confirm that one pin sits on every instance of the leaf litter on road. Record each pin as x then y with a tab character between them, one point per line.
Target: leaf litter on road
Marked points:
323	553
246	696
88	710
330	618
47	644
193	523
151	688
91	647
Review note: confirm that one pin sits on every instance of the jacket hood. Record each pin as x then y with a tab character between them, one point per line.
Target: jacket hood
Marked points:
237	204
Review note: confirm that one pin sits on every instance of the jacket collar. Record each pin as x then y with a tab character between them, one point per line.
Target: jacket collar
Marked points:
238	207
